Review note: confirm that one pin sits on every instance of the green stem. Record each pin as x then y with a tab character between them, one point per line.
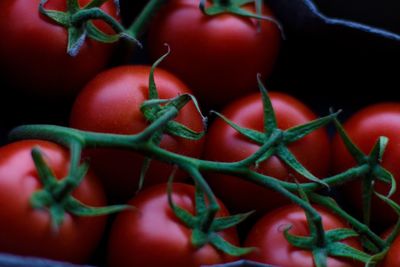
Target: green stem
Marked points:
273	139
141	22
360	227
84	15
367	191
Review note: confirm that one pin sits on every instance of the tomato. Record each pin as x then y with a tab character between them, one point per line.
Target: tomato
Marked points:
110	103
273	248
151	235
28	231
217	56
227	145
392	256
34	57
364	128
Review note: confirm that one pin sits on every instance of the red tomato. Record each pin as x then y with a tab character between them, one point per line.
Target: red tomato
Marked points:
28	231
111	104
217	56
364	128
273	248
392	257
34	57
153	236
227	145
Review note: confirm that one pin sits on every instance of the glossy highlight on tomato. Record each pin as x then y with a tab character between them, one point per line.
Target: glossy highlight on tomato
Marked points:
34	58
225	144
110	103
27	231
217	56
271	247
151	235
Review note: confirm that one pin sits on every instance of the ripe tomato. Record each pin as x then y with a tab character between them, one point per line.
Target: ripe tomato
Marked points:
273	248
227	145
28	231
217	56
392	256
110	103
364	128
34	57
153	236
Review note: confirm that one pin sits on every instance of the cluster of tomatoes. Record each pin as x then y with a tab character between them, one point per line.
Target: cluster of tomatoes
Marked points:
215	69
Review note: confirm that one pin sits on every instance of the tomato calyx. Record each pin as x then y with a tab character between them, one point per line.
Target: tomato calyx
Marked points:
376	171
236	7
56	194
279	145
324	243
204	232
78	22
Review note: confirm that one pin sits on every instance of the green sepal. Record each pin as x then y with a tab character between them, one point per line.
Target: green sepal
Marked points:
57	214
270	123
199	238
385	176
236	7
40	199
94	33
339	234
391	203
45	174
77	208
356	153
59	17
221	244
265	156
285	155
303	242
143	172
340	249
73	6
153	93
320	257
184	216
200	200
253	135
180	130
76	38
295	133
222	223
152	108
95	3
379	149
376	258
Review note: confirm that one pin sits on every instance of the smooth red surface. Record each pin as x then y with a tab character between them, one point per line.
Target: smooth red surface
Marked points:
151	235
34	50
227	145
272	248
25	231
217	56
364	128
110	103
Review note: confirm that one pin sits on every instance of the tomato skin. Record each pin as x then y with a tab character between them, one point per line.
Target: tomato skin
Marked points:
218	56
225	144
34	58
272	248
111	104
27	231
364	128
153	236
